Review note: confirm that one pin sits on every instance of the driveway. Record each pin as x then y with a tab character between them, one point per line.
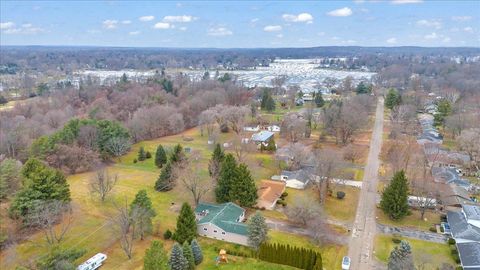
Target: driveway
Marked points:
364	227
411	233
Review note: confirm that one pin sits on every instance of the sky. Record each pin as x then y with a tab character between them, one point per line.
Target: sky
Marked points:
241	24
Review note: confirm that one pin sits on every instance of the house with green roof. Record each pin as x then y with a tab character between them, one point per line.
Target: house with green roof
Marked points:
222	222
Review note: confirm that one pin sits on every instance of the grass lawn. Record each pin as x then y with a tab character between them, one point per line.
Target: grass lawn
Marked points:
430	255
331	254
411	221
345	209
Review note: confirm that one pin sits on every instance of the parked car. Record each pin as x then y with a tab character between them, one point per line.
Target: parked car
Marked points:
346	263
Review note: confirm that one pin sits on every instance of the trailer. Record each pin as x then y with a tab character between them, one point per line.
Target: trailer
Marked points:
93	263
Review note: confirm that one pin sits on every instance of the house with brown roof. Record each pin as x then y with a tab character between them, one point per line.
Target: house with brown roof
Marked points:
269	192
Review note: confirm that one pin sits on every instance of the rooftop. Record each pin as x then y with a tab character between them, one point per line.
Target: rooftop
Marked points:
472	211
269	190
460	227
226	216
301	175
262	136
469	254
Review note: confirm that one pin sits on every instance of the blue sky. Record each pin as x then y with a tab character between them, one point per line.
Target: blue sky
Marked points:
241	24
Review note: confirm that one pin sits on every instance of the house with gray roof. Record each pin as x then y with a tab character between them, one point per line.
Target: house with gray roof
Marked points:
222	222
469	255
263	136
298	179
465	229
447	175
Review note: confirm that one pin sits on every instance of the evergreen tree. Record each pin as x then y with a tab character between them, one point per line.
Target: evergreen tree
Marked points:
270	104
393	98
257	230
143	205
59	258
243	189
319	100
362	88
188	254
197	252
401	257
155	257
41	183
177	261
141	154
216	161
443	110
177	154
227	176
165	181
186	225
265	95
160	156
124	78
394	201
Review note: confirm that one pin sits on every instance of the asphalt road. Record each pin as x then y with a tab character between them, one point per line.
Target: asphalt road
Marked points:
364	227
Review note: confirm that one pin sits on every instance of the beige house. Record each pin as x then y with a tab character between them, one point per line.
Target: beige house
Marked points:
222	222
268	193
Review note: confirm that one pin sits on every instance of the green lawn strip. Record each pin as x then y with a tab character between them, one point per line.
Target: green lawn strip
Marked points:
412	221
428	253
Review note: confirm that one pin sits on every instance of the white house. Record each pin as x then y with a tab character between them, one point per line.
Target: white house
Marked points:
294	179
252	129
222	221
273	128
93	263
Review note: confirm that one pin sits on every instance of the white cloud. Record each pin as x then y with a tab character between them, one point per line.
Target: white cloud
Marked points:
461	18
126	22
341	12
110	24
181	18
93	31
6	25
351	41
183	28
279	35
272	28
27	28
468	29
302	17
162	25
321	34
430	23
359	1
219	32
432	36
402	2
147	18
446	40
254	20
134	33
392	40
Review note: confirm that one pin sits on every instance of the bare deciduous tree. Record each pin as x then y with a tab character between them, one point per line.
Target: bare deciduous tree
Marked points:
299	155
469	142
293	127
118	146
207	120
327	163
303	209
124	226
352	153
102	183
189	175
46	215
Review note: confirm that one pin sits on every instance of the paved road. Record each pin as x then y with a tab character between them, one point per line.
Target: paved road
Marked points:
411	233
364	227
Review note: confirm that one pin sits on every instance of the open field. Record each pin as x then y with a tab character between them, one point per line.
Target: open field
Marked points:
427	254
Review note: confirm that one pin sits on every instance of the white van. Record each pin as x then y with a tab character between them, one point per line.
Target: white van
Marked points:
93	263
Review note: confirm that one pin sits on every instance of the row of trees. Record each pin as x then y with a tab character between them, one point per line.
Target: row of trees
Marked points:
290	255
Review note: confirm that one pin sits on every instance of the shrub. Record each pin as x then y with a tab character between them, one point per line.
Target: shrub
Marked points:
451	241
432	229
284	195
135	160
456	258
454	251
340	195
396	240
148	155
167	234
459	268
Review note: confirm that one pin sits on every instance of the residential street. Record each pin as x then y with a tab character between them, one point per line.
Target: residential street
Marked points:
364	227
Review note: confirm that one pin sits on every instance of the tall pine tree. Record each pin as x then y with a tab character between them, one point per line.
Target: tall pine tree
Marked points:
197	252
186	225
142	205
228	172
165	181
215	163
155	257
177	154
257	230
160	156
319	99
243	189
177	261
142	155
394	201
188	254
